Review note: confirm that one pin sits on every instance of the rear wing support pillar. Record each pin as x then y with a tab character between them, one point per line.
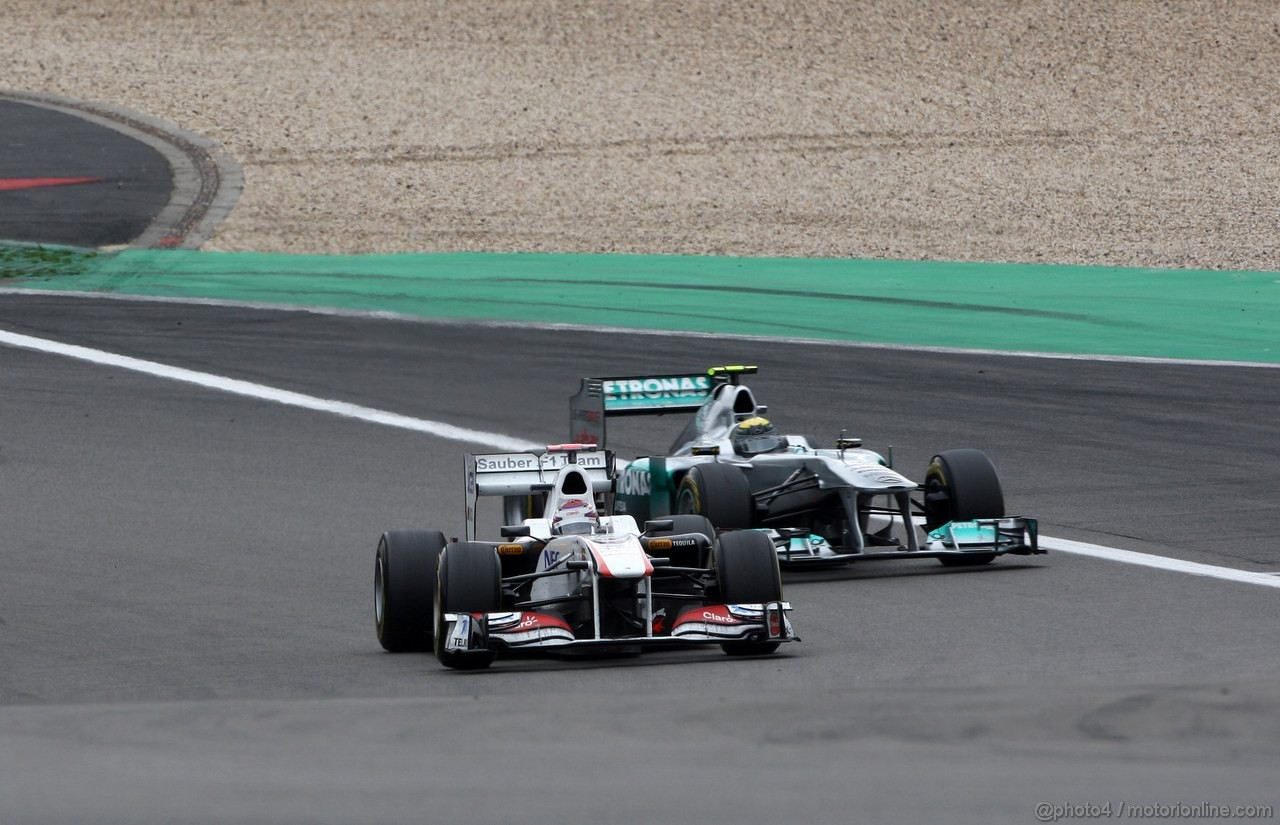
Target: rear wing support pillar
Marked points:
586	413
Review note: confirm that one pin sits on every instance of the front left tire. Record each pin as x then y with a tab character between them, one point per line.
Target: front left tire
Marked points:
718	491
404	584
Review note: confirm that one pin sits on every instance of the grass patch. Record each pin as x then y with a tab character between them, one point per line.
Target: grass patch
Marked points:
34	261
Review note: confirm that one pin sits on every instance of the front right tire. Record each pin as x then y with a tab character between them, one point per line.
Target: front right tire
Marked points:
747	572
468	580
962	485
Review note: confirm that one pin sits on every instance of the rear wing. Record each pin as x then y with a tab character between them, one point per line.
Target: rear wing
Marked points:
600	398
523	474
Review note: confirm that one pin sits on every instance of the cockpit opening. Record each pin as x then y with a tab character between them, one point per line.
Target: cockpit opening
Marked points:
575	484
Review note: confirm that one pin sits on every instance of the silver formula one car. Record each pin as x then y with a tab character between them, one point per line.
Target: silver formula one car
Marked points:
818	506
573	580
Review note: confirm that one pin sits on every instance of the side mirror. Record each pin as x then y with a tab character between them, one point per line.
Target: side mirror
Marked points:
705	449
848	443
514	531
656	525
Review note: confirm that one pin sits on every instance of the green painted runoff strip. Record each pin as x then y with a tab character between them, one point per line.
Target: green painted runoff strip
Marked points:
1167	313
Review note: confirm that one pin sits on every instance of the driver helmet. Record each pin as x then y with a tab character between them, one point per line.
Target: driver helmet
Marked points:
755	436
575	517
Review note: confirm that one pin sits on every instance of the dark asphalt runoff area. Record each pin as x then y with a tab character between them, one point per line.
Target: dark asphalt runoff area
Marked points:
132	187
186	628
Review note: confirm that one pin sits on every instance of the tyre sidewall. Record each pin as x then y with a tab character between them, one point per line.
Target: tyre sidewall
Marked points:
406	561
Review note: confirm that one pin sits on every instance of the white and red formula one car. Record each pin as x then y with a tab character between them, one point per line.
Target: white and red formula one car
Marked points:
573	580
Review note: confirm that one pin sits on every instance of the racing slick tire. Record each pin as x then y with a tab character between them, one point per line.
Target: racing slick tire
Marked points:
960	485
468	580
404	584
718	491
683	525
746	565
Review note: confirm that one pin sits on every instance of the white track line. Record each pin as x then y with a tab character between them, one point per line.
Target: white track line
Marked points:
505	442
386	315
264	393
1192	568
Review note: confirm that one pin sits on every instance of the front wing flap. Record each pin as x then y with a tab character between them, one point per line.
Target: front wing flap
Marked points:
1017	535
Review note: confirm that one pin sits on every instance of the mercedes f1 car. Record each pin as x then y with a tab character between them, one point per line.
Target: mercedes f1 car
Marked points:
571	579
817	506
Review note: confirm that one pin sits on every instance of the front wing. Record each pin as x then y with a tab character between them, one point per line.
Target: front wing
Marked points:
1014	535
533	631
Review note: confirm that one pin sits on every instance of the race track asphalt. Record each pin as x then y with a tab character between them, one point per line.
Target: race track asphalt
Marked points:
186	624
133	183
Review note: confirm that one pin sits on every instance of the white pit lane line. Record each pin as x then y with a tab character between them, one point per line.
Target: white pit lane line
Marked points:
499	441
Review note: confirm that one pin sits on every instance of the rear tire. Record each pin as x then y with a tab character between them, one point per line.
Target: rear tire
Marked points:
688	523
683	525
746	565
469	580
961	485
718	491
404	586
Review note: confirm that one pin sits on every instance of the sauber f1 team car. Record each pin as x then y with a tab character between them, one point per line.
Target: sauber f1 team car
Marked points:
571	579
817	506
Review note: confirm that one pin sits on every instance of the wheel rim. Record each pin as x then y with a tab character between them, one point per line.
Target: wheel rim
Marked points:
937	498
379	592
685	503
